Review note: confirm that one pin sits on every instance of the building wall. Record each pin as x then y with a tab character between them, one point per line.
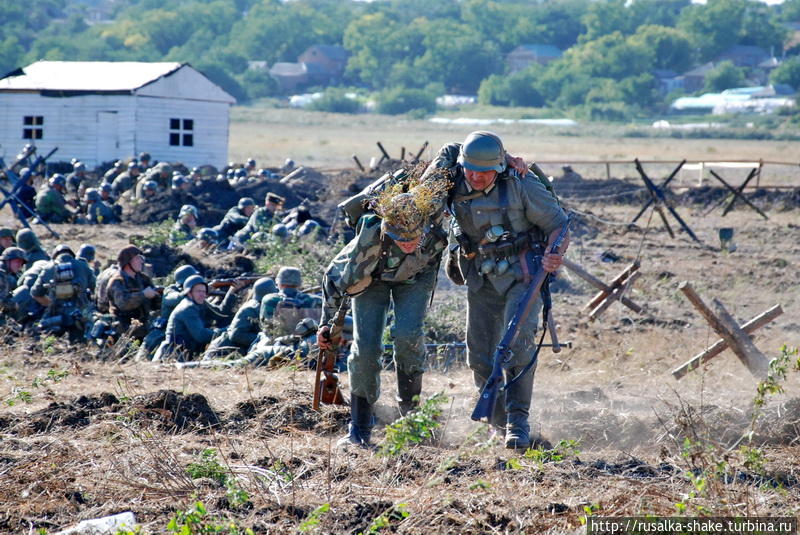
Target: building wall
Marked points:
209	130
73	124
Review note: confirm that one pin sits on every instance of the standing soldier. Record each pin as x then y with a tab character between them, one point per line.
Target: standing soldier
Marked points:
50	202
61	288
183	230
235	219
505	219
27	240
393	259
131	294
261	220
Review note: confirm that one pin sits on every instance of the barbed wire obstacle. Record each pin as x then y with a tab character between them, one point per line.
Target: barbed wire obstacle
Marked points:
733	336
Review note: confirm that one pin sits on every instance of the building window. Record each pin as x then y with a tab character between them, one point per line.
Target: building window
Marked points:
32	127
181	132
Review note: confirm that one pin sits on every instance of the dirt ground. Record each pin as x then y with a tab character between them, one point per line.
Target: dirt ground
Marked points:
96	438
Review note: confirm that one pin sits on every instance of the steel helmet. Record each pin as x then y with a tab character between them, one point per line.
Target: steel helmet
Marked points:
87	252
184	272
244	202
193	281
58	180
13	253
150	185
264	286
207	234
188	209
483	151
91	195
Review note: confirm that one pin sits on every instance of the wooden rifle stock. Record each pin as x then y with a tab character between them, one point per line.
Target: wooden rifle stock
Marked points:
326	383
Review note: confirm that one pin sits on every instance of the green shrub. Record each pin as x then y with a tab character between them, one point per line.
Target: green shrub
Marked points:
403	100
335	100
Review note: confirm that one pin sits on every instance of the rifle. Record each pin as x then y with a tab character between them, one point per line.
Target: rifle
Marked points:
19	208
228	282
326	389
485	405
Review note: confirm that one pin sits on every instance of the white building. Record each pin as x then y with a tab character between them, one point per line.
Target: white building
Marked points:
104	111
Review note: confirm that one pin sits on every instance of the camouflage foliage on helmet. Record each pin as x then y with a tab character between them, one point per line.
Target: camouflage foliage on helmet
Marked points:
406	206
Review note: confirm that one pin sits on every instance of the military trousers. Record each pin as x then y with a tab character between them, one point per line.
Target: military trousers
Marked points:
369	320
488	314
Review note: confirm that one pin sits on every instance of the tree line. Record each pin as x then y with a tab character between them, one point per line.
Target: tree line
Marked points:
409	51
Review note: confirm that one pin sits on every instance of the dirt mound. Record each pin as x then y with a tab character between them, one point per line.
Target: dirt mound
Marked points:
74	414
166	206
165	259
292	412
174	411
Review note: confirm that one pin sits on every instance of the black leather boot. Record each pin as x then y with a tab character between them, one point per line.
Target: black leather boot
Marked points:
360	427
408	387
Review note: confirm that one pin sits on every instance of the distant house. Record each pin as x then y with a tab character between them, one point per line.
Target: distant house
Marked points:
695	79
668	80
289	76
763	70
99	111
326	62
747	56
524	55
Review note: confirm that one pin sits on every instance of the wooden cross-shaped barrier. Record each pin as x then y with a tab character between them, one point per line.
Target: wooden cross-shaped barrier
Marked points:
608	292
732	335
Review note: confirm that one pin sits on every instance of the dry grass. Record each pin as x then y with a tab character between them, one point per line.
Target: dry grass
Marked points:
64	459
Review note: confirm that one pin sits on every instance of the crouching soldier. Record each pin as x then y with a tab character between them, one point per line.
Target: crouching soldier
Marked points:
27	240
11	263
284	349
244	328
235	219
170	298
131	294
183	230
61	288
393	258
187	334
280	311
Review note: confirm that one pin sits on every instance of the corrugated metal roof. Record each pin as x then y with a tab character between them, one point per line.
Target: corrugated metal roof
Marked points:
89	76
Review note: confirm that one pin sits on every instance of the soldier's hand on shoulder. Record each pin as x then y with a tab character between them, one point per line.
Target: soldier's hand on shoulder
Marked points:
517	163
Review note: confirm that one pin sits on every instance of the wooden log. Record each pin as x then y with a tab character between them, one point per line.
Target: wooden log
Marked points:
738	195
720	345
551	327
616	282
597	283
421	150
614	295
358	163
743	346
300	171
725	326
402	154
383	151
